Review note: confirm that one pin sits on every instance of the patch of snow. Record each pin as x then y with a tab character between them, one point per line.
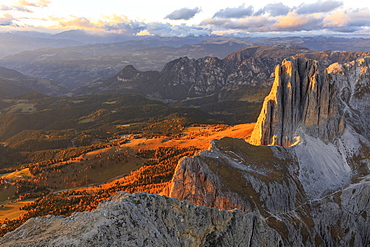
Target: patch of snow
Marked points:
321	167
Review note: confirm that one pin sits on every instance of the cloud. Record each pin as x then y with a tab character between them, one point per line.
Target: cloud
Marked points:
40	3
7	20
5	8
318	7
319	17
132	27
24	6
15	8
274	9
348	21
144	33
75	22
238	12
293	22
166	29
183	14
114	23
338	19
123	25
265	20
22	9
250	24
288	23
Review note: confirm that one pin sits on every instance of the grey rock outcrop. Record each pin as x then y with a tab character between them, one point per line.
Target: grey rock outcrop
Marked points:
325	113
146	220
201	186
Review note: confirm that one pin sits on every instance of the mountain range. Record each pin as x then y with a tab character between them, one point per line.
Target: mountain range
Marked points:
13	83
309	186
300	177
104	56
76	65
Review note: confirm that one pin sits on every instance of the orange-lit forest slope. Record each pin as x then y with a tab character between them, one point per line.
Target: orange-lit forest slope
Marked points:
131	164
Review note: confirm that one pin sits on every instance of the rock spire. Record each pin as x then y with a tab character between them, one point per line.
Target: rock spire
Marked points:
301	99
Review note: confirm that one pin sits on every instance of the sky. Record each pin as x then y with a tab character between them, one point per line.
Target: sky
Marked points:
190	17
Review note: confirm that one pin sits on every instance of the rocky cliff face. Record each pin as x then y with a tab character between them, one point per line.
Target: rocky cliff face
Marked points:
186	77
146	220
329	57
217	177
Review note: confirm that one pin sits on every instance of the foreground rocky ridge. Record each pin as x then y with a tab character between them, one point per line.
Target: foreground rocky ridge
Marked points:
146	220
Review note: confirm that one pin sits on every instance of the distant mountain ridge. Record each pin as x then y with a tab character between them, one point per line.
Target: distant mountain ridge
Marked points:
14	83
13	43
225	88
104	56
187	78
77	65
